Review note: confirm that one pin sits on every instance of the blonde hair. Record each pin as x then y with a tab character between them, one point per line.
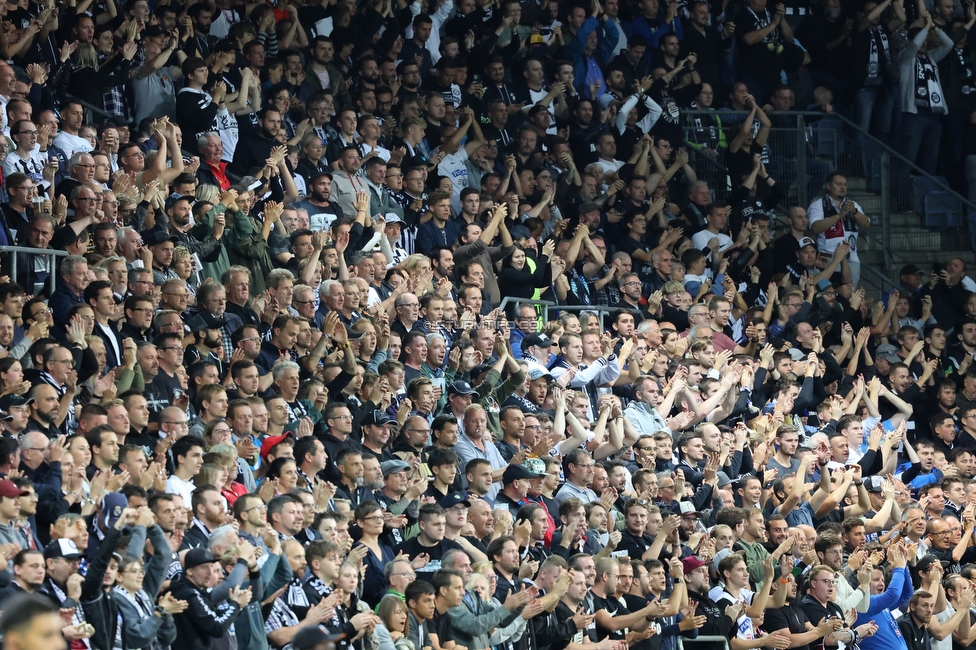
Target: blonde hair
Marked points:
207	193
179	253
85	55
411	266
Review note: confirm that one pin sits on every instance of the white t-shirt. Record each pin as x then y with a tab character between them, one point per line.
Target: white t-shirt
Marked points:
609	165
844	230
701	238
71	144
176	485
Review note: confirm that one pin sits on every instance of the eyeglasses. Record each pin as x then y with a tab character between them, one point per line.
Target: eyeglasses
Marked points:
86	198
178	295
341	417
42	312
374	518
258	508
171	348
26	133
302	302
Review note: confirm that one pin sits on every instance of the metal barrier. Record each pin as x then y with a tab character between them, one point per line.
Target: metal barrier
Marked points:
49	256
90	109
818	143
548	305
701	639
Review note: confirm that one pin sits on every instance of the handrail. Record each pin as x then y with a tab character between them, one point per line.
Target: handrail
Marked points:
548	304
89	107
49	255
799	114
875	141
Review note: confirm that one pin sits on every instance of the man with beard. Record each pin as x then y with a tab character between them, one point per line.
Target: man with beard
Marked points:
178	213
350	486
346	182
285	515
255	150
399	499
321	67
44	410
376	434
321	211
16	414
719	621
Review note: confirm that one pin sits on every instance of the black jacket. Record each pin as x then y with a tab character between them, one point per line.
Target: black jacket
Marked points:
201	622
99	606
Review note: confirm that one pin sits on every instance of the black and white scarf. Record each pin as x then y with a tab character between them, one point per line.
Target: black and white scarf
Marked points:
966	71
877	65
928	90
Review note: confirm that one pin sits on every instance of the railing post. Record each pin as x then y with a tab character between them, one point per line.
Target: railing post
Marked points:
886	206
801	160
51	275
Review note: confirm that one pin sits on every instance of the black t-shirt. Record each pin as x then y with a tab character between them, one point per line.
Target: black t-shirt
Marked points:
786	617
635	546
615	608
629	245
440	625
413	548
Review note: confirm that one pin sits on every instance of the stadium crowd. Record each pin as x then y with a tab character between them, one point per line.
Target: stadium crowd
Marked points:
397	325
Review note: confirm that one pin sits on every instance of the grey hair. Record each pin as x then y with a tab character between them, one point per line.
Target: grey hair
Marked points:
276	276
204	139
326	287
279	369
219	534
110	260
434	336
69	264
75	159
697	185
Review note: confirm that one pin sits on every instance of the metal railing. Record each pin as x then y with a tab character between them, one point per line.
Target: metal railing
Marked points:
90	109
48	254
700	640
818	143
547	305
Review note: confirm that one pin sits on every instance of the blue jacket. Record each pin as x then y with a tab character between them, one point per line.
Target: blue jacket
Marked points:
607	34
888	637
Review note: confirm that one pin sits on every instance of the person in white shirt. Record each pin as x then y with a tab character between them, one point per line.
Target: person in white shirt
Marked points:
187	460
452	165
836	219
717	217
68	140
26	158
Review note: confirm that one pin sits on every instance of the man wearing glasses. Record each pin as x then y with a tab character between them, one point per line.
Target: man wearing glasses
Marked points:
25	158
81	170
19	210
630	294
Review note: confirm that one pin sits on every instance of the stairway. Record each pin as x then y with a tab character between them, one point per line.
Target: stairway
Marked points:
910	242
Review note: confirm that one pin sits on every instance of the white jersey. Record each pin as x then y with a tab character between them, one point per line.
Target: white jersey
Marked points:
844	230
